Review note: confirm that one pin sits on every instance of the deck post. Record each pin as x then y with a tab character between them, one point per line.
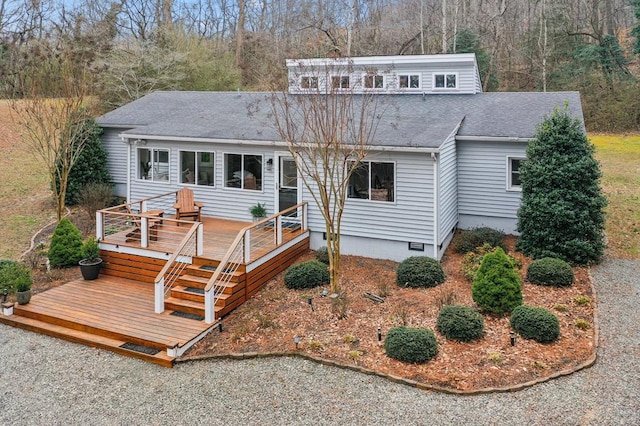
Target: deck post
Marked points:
209	313
247	246
144	232
279	230
304	217
99	226
143	206
159	296
200	240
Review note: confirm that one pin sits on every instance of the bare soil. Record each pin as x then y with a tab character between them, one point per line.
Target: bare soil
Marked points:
269	322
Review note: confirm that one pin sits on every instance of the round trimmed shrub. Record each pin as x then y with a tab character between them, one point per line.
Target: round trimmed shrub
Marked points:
535	323
460	323
550	271
308	274
408	344
419	271
66	245
322	255
497	287
469	240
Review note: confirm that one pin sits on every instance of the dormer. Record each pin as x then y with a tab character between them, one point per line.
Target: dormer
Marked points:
406	74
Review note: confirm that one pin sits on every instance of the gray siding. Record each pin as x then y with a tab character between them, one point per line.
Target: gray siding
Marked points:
116	159
482	182
408	219
229	203
448	190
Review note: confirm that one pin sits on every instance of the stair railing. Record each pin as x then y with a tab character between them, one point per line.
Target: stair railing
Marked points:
250	243
191	245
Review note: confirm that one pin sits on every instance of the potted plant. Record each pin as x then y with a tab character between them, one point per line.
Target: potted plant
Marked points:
23	288
91	264
258	211
17	277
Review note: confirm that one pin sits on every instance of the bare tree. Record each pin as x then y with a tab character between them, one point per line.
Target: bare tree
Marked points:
328	131
53	127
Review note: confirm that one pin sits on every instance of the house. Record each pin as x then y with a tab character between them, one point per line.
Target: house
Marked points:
445	155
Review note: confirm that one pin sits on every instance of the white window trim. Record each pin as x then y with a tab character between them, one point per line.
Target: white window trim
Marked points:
510	186
409	75
168	163
445	74
224	173
302	77
364	86
197	171
395	185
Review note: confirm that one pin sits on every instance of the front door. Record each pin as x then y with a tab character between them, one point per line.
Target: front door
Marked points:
286	182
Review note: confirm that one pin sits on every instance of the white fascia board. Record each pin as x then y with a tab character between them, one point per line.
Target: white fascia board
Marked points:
382	148
493	139
384	60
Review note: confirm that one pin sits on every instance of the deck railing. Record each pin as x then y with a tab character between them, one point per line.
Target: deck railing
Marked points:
142	223
252	242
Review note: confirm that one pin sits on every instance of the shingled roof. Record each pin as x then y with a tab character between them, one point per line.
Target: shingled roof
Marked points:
407	120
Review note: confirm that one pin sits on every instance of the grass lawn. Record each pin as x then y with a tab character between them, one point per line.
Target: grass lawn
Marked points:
619	157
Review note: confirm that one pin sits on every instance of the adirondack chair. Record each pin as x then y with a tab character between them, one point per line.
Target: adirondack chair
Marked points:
186	206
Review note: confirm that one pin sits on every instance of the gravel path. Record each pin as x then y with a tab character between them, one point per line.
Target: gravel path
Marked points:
48	381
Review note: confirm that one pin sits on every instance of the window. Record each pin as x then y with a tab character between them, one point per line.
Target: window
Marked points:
409	81
445	81
513	179
196	168
373	82
307	82
243	171
340	82
373	181
153	164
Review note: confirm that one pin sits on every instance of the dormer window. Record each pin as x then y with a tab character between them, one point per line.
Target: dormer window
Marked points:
307	82
409	81
340	82
373	81
445	81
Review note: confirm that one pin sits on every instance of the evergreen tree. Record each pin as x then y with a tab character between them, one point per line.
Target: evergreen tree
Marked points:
635	32
561	214
468	41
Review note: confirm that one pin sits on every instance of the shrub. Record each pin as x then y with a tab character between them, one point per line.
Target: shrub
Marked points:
419	271
409	344
95	196
469	240
535	323
66	245
15	276
460	323
306	275
471	261
561	214
90	249
551	272
497	287
322	255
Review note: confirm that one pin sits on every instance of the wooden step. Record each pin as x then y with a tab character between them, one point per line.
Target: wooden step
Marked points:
188	279
85	338
201	261
182	305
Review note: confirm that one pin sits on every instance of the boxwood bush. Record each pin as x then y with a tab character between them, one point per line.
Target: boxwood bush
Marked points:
550	271
408	344
419	271
497	287
535	323
460	323
306	275
322	255
66	245
467	241
472	260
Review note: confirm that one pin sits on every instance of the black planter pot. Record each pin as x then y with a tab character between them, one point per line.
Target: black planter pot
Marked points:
90	269
23	297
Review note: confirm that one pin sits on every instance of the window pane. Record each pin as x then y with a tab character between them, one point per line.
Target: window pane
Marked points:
515	179
515	172
233	170
309	82
382	182
344	83
160	165
335	82
439	80
379	82
451	81
404	81
368	82
205	168
359	182
187	167
252	172
414	81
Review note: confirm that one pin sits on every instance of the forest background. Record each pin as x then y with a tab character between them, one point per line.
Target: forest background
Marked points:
127	48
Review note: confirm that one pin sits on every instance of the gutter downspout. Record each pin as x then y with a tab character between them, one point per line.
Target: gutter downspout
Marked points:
128	142
436	190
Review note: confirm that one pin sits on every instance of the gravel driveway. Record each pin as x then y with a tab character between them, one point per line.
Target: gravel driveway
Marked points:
48	381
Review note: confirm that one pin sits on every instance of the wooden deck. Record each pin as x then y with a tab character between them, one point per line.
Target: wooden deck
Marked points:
116	310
